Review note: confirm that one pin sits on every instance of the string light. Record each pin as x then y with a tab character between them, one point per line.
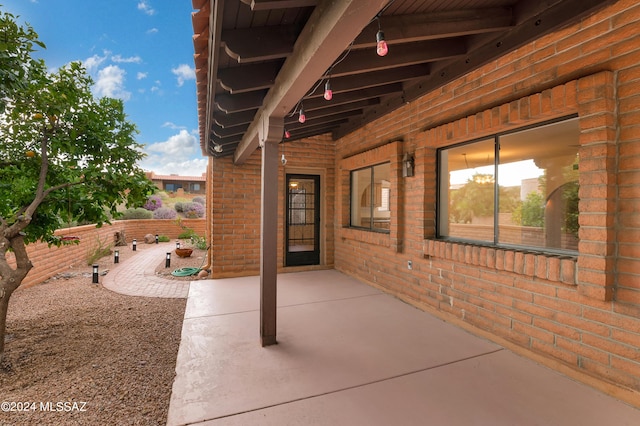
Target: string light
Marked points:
328	93
301	115
287	134
381	45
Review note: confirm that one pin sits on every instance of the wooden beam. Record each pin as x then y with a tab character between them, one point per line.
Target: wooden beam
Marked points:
430	26
249	78
270	135
260	43
234	119
239	102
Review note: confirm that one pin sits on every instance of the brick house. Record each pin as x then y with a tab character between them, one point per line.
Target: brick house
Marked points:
420	192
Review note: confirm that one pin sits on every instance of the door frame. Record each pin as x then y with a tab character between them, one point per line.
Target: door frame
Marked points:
316	256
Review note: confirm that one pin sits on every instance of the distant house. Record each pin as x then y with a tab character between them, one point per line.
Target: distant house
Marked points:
175	183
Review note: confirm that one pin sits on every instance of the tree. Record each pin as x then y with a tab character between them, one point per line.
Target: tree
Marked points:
63	153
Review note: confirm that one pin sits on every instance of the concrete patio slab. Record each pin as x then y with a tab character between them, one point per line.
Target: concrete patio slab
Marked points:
349	354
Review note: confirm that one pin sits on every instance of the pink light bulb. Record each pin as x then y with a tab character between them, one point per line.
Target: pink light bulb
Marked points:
287	134
381	48
302	117
328	93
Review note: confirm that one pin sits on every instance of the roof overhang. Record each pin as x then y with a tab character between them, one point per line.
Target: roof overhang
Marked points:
262	60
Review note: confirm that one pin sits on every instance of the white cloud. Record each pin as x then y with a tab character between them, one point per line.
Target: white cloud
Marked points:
184	72
110	82
92	63
142	75
152	31
144	6
129	60
178	146
171	125
179	154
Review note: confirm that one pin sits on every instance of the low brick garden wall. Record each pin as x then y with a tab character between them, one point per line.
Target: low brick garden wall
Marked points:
49	261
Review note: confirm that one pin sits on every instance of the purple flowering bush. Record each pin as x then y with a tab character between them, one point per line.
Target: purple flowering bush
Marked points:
193	210
164	213
153	203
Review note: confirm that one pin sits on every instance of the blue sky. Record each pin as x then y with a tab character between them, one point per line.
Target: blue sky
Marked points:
140	51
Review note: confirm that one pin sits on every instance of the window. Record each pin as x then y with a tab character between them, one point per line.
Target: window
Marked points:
513	189
195	187
371	198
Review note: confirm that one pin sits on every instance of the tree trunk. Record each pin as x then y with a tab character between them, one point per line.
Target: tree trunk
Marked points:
4	307
10	279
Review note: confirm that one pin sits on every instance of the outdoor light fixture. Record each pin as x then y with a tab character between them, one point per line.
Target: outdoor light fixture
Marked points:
287	134
157	239
167	262
135	244
217	147
283	160
95	274
116	256
381	45
177	244
407	165
328	93
301	115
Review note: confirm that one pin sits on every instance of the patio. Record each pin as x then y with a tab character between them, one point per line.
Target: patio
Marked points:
350	354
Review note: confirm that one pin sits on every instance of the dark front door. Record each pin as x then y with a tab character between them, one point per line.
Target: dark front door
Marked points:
302	228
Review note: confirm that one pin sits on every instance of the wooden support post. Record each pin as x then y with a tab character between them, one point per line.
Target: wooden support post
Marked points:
270	136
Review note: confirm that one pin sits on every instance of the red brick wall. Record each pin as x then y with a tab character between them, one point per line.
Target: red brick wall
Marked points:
235	205
582	311
49	261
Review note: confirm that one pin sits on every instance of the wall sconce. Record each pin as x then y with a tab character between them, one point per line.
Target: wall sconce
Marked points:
407	165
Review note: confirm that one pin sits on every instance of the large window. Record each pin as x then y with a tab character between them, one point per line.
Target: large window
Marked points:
370	198
514	189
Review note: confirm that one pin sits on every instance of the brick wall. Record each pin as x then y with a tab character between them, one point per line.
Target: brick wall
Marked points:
581	311
49	261
236	200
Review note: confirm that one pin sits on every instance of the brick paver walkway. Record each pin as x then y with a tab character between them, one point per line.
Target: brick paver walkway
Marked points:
136	276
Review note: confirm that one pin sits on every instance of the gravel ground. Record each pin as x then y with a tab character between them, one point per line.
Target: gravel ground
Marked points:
70	341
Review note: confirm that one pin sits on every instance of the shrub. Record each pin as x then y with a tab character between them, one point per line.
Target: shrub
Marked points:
193	210
99	250
137	213
153	203
199	242
163	239
179	206
164	213
199	200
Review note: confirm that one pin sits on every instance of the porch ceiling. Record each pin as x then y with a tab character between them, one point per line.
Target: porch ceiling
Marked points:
257	60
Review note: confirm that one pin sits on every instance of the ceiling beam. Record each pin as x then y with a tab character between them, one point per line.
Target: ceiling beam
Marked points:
250	77
403	55
234	119
259	44
430	26
330	29
239	102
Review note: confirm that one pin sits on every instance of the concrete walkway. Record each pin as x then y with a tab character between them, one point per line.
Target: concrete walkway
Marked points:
137	276
348	354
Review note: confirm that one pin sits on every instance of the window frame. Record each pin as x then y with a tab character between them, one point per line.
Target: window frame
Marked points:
372	204
496	189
